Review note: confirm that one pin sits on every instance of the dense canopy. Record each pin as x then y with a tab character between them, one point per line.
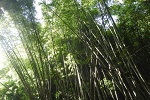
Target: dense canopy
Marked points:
77	49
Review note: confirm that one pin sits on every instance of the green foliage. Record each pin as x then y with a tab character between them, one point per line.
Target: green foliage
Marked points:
13	90
74	56
134	17
106	84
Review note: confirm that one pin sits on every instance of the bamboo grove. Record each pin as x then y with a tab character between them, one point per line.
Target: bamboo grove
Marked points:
77	54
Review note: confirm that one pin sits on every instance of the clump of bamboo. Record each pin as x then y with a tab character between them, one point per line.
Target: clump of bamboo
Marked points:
77	58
